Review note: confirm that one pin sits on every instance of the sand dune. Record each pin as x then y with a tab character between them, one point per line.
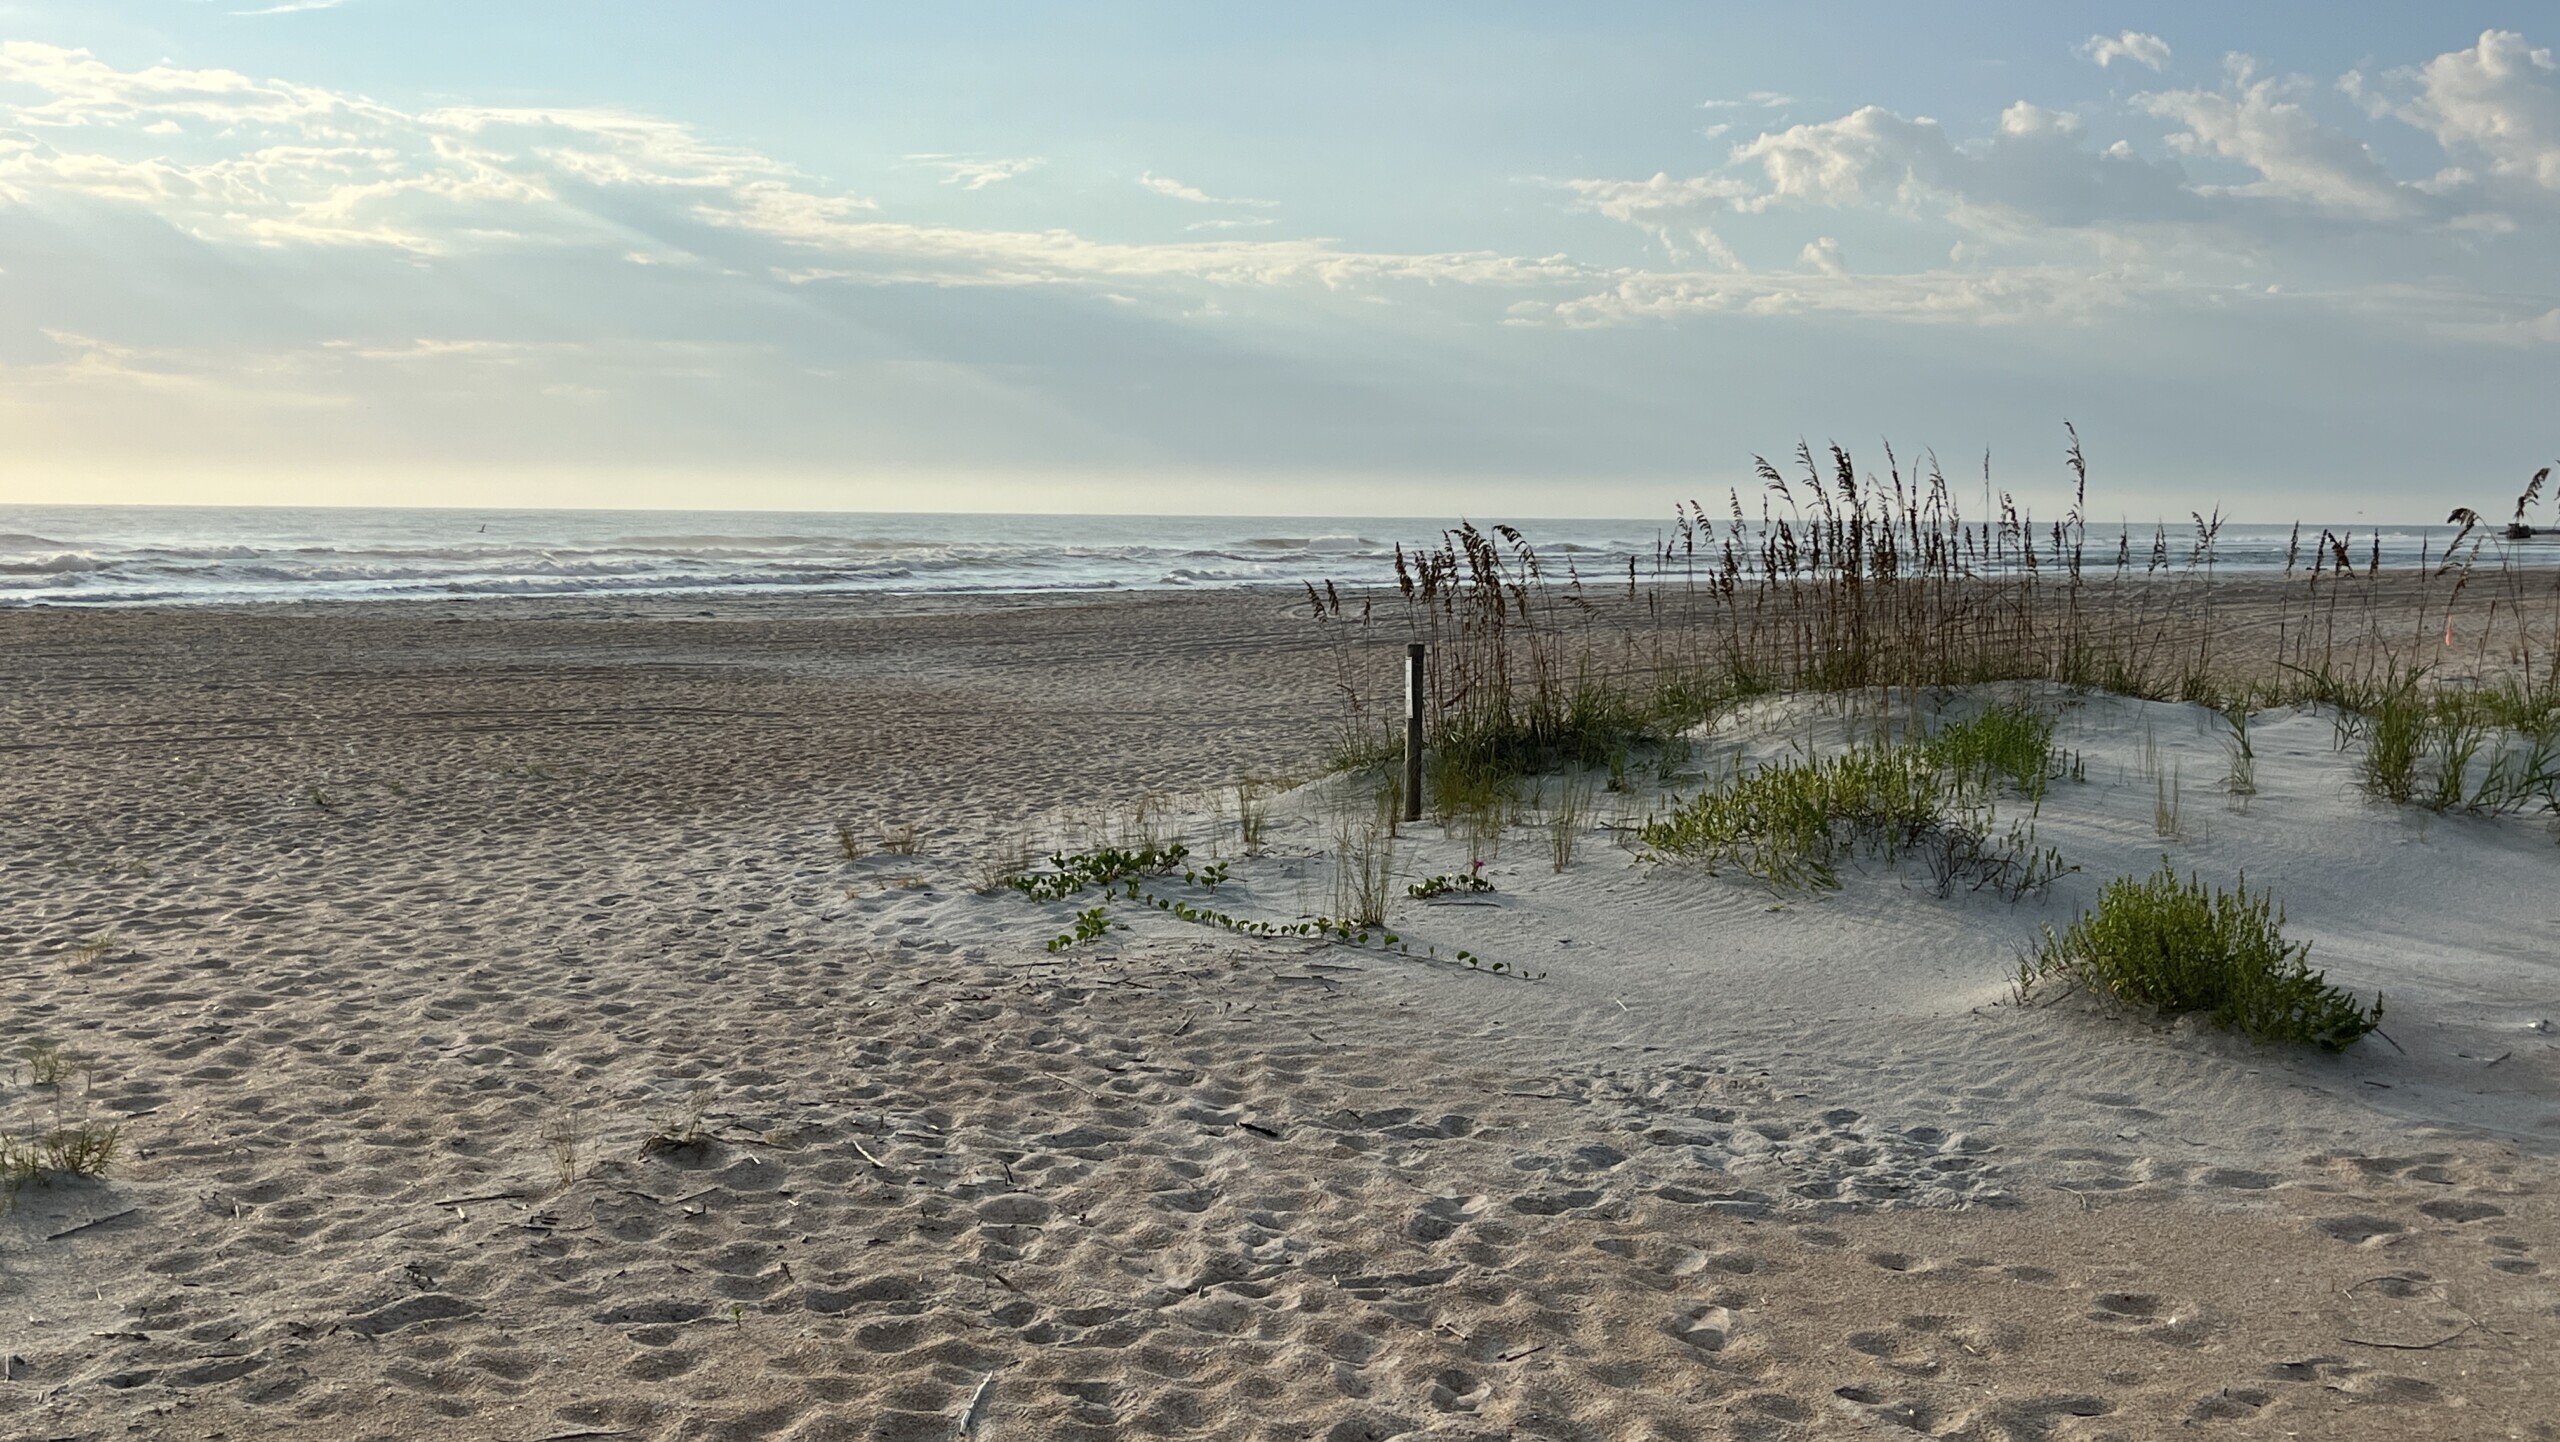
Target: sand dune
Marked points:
505	1049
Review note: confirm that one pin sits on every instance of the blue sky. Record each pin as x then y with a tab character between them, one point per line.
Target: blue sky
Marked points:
2291	260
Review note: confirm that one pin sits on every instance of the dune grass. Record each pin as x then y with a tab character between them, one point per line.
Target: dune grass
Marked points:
84	1149
1840	577
2178	947
2009	743
1792	823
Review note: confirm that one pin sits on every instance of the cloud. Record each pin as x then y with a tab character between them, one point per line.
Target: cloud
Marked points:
1762	99
1945	297
2037	220
1166	185
2498	100
976	173
2296	157
272	164
293	7
2145	50
1843	161
2032	174
2027	120
1668	210
2045	224
1639	201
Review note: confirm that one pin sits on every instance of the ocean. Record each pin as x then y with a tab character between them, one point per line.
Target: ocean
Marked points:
177	555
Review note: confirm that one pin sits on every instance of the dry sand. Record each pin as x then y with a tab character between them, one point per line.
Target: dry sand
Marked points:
406	901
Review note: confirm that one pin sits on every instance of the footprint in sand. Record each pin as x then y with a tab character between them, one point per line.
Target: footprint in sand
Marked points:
1548	1204
2358	1230
1911	1415
1440	1218
2151	1318
2515	1263
2228	1405
1709	1328
2459	1210
1459	1391
1898	1351
2355	1380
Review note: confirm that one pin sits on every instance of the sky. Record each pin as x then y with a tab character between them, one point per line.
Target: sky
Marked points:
2288	260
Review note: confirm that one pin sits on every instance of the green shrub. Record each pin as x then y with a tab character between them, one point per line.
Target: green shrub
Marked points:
2494	750
1791	823
2010	742
2159	942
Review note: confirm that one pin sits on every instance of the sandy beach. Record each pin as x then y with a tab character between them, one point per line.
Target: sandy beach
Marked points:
561	1020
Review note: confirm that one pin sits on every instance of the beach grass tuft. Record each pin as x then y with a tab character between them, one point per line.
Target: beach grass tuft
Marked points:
1567	817
1253	814
46	1062
566	1142
1363	873
1791	823
2177	946
2009	743
83	1149
677	1128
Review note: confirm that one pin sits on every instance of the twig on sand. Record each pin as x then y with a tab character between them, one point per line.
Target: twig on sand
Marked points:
866	1154
2082	1197
99	1222
1259	1130
2386	1036
1525	1352
974	1416
491	1197
2468	1322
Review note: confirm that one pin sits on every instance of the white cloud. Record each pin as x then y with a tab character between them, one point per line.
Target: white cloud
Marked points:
976	173
1995	297
2542	329
2145	50
2044	223
1666	209
1763	99
2048	225
1640	201
2024	119
2499	100
1838	162
293	7
2296	157
1166	185
276	164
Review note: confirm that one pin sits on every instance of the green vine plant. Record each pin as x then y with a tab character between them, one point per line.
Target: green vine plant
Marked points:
1122	875
1470	882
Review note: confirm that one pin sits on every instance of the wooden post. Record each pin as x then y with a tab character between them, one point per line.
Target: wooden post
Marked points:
1414	691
